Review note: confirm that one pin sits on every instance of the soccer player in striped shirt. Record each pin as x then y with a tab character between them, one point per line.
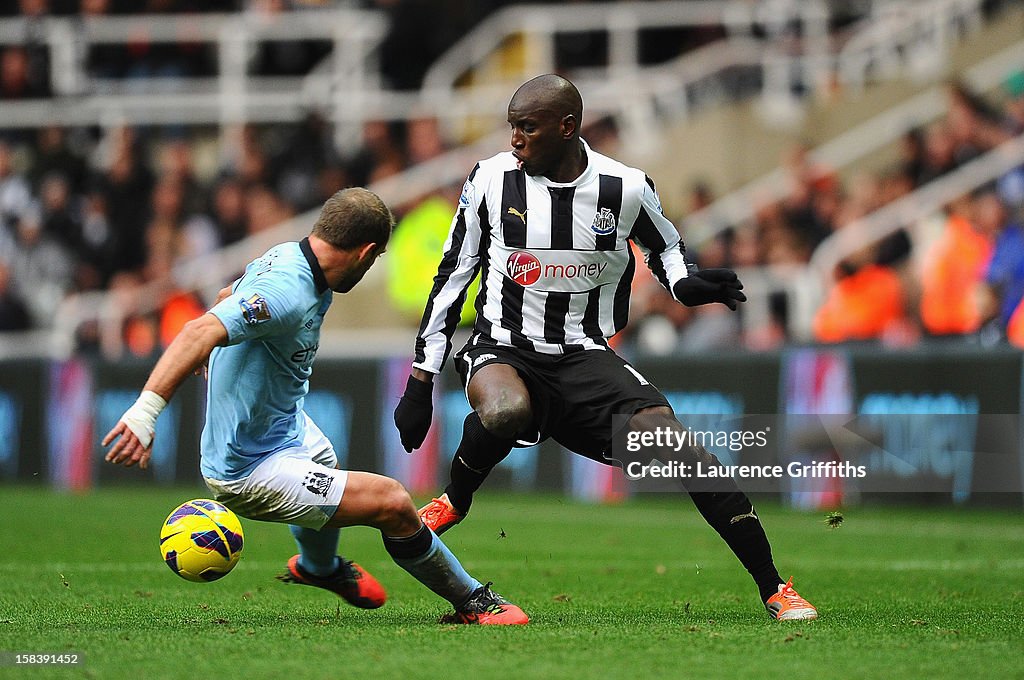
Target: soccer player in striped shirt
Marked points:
547	225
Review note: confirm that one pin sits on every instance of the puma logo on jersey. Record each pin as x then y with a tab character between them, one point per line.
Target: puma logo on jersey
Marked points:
513	211
748	515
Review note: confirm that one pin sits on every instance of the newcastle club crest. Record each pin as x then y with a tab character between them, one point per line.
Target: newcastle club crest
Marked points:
604	222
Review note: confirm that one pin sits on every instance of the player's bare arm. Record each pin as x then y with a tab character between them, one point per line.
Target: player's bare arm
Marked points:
222	295
187	352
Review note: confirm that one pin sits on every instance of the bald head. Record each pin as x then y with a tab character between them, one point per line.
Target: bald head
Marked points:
551	92
545	115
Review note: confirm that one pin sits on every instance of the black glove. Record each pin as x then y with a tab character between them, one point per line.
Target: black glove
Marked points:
710	285
414	413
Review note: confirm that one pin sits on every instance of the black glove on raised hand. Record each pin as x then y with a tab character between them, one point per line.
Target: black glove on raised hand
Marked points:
710	285
414	412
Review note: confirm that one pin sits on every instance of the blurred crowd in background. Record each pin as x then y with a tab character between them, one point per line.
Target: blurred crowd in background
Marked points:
85	209
118	209
960	275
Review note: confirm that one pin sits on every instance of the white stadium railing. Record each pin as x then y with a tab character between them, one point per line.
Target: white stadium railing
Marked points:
853	145
905	38
347	85
231	97
540	25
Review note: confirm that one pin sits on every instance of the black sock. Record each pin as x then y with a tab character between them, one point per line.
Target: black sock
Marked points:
731	514
408	547
464	484
733	517
478	452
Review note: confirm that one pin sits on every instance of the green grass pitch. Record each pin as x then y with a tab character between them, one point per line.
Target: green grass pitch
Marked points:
644	589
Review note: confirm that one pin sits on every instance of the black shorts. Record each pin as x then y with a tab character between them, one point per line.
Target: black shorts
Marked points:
573	395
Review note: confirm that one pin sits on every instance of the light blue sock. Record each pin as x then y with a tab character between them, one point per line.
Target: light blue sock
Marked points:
317	549
437	568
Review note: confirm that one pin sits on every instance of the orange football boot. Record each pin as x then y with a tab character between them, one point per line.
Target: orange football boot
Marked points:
351	582
439	515
787	605
486	608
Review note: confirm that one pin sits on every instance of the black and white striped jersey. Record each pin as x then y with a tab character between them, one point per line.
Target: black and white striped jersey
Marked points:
554	259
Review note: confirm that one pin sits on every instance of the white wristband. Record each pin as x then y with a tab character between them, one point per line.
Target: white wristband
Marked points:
141	417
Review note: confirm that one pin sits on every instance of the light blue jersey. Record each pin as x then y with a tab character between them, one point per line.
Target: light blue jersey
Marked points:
258	382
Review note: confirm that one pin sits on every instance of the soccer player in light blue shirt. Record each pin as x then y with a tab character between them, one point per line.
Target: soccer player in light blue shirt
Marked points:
262	456
256	389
